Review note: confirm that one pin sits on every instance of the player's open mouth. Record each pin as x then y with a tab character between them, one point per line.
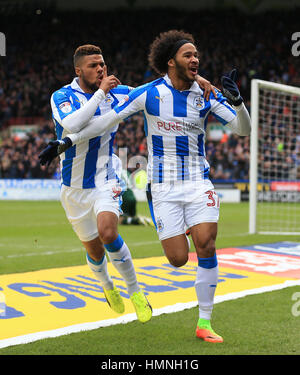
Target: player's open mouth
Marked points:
193	69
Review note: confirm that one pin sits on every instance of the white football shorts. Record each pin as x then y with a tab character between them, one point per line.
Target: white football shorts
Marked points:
180	207
83	205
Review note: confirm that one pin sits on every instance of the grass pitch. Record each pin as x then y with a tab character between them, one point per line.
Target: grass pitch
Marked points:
36	235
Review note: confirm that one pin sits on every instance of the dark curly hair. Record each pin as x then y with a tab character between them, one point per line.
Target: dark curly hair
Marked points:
162	46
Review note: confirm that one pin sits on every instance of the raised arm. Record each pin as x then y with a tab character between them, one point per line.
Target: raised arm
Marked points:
96	126
241	124
131	104
72	119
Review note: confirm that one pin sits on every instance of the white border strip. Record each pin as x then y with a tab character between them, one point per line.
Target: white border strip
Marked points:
25	339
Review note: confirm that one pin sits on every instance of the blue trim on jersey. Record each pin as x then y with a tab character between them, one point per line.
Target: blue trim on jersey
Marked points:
90	163
200	145
220	119
67	164
120	89
222	100
182	150
150	204
116	245
208	263
145	125
58	129
158	152
206	173
152	102
228	107
111	173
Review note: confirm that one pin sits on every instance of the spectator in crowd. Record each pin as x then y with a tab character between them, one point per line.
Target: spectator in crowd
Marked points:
19	156
38	62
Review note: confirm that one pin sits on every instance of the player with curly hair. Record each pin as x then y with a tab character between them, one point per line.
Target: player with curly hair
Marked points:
176	114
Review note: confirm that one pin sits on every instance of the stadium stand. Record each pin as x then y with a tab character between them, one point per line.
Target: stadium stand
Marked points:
39	61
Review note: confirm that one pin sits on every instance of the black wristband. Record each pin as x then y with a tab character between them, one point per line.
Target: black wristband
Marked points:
67	141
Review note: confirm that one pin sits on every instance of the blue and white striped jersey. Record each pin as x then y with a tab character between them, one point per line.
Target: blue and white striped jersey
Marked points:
88	163
175	126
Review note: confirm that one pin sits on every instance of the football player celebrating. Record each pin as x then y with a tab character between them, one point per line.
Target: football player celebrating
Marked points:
90	192
176	112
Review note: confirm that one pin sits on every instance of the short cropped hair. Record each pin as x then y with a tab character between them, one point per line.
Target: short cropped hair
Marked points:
85	50
162	46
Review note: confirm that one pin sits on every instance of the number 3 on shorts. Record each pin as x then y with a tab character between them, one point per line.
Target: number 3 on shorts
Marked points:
213	196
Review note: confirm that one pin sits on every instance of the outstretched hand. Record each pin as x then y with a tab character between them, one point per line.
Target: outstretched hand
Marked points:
54	149
230	89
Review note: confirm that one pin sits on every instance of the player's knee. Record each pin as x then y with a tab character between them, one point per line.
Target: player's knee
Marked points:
108	234
207	249
178	261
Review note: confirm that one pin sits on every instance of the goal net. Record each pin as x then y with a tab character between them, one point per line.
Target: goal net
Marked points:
274	198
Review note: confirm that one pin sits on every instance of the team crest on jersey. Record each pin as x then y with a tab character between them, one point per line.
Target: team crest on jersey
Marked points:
198	102
108	99
65	107
160	224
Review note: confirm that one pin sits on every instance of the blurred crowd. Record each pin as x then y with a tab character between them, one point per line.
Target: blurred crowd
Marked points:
39	61
19	155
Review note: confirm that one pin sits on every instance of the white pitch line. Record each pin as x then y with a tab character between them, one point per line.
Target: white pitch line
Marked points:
51	252
44	253
74	250
36	224
38	254
25	339
142	243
